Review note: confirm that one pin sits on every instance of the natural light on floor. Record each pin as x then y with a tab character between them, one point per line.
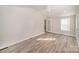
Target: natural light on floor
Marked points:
46	39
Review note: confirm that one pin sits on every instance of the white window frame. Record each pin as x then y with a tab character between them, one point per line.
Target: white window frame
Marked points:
65	24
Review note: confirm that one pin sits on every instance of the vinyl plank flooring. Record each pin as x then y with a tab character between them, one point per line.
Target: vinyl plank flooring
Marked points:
45	43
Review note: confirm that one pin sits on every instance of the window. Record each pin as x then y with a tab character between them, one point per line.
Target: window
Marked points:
65	24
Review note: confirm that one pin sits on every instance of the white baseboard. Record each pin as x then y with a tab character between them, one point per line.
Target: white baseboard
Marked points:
63	33
20	41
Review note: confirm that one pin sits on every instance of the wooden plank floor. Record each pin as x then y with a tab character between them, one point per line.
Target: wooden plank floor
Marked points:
45	43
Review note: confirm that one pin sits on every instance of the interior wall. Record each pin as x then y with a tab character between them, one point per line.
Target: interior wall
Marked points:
77	28
18	23
55	26
0	29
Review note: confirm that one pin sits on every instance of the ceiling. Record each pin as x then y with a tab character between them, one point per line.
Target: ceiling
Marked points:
61	10
54	10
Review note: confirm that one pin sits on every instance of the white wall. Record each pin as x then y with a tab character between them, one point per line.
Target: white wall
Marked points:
19	23
77	28
77	24
0	29
55	26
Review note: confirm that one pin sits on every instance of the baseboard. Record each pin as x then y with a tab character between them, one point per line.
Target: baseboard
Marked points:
63	34
3	47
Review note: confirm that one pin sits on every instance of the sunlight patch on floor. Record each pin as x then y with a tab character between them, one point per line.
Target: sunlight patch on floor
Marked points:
46	39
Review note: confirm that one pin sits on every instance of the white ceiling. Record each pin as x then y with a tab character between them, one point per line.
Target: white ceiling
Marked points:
54	10
61	10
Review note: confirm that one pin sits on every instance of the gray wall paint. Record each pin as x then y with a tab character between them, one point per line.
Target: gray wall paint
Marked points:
18	23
